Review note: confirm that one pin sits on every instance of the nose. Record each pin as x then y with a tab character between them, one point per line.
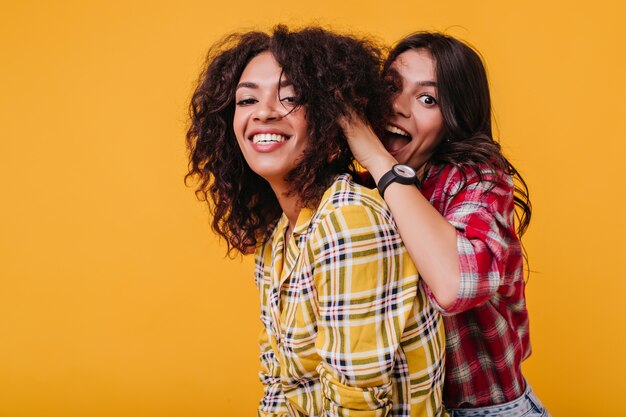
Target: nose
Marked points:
267	110
400	106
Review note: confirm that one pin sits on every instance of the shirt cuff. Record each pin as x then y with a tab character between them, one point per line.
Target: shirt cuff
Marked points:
459	303
450	311
343	400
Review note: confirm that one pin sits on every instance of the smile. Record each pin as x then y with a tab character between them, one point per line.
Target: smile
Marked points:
261	138
397	131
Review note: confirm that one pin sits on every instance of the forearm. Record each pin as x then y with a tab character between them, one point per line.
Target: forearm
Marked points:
429	238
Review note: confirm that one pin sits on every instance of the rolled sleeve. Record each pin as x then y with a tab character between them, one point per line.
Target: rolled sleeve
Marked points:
483	217
344	400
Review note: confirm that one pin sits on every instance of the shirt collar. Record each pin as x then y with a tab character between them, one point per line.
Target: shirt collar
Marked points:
306	214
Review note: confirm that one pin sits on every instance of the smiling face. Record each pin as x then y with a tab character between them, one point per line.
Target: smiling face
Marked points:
417	126
271	130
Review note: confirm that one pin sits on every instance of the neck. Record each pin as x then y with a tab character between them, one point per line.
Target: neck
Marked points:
421	168
290	204
420	171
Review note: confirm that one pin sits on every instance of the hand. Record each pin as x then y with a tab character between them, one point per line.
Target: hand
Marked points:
366	146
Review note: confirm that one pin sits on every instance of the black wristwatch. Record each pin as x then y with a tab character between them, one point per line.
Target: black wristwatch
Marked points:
399	173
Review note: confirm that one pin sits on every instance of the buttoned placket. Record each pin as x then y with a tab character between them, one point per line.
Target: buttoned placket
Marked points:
284	260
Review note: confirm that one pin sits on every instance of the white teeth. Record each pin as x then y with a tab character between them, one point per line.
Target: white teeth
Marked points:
397	131
268	138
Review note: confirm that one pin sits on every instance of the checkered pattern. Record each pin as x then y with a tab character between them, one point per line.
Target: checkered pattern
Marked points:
348	330
487	327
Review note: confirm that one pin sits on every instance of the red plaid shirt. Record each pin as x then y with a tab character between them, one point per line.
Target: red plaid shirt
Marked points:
487	327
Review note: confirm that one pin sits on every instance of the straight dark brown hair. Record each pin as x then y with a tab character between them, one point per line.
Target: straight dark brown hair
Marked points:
465	104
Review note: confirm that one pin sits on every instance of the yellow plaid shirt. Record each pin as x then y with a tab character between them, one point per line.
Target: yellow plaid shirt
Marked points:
347	329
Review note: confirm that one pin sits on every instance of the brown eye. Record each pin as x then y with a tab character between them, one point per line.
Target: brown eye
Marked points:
289	100
246	102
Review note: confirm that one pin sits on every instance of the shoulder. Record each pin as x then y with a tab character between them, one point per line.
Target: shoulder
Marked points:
353	223
350	213
446	181
345	198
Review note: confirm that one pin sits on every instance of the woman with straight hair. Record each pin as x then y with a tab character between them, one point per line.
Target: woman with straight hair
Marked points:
454	196
347	330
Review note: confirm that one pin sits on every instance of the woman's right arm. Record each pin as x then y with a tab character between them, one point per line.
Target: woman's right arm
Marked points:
461	257
429	238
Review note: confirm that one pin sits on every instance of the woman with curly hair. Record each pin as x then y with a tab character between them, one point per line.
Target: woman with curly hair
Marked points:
460	229
347	329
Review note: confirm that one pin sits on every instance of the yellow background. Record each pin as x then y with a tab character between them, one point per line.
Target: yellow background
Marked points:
115	297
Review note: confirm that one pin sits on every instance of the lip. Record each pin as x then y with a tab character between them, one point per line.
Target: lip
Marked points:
266	147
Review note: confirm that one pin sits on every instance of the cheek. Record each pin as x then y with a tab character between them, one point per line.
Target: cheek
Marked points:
238	129
237	122
435	126
299	122
303	131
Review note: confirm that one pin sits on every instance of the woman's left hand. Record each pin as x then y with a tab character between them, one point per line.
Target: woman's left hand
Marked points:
366	146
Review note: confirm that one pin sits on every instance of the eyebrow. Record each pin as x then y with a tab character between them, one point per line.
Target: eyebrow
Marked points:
248	84
395	76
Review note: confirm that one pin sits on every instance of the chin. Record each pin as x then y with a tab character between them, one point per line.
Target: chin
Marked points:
269	173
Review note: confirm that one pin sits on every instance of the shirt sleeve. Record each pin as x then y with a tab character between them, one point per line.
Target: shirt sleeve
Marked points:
364	300
482	214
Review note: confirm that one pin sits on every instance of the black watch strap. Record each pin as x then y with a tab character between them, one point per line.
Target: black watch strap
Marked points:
393	176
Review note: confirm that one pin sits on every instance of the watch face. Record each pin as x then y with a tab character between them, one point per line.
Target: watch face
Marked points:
404	171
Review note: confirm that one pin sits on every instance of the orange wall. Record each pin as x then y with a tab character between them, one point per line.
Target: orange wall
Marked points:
116	299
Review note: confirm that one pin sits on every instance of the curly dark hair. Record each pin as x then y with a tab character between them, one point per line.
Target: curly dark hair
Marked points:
465	101
331	74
